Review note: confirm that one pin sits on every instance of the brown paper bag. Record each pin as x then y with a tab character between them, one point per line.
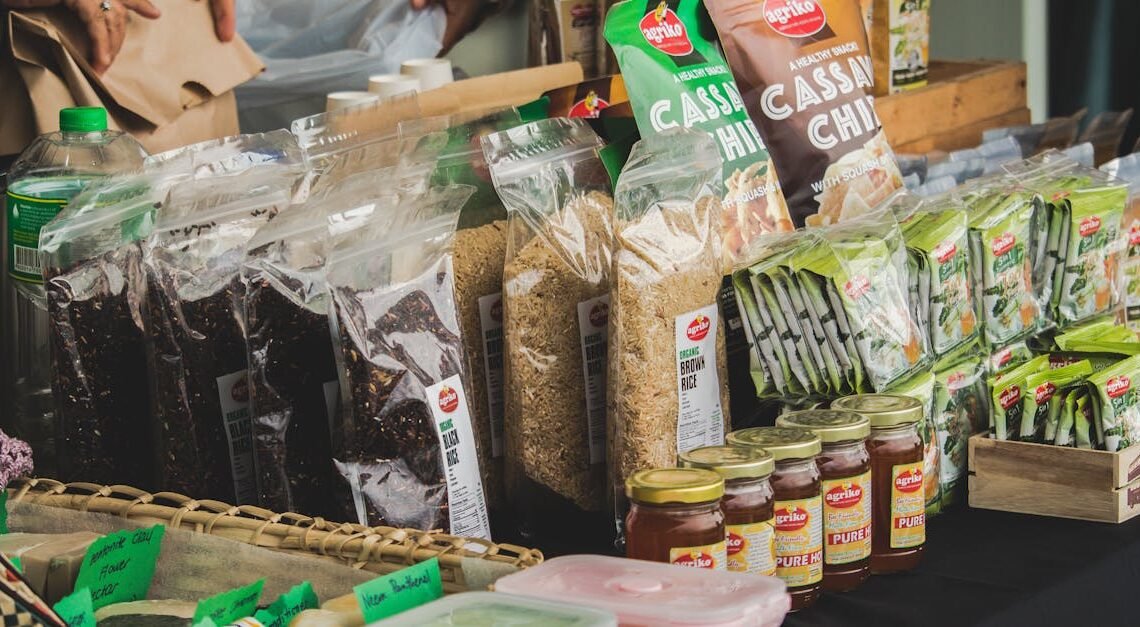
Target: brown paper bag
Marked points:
171	84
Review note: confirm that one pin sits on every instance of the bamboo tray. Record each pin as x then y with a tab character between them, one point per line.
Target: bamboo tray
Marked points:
376	549
1056	481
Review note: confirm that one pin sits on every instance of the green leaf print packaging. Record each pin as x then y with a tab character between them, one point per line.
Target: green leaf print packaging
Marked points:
1009	357
921	387
1089	280
1008	391
961	409
1040	387
1064	436
938	245
1117	403
812	268
1084	435
1127	168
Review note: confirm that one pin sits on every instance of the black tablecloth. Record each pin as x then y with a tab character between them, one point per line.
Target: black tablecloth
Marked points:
998	569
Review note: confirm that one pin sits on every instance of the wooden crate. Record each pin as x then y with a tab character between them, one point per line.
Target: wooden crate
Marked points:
962	99
1054	481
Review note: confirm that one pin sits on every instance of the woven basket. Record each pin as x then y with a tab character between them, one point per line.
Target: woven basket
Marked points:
376	549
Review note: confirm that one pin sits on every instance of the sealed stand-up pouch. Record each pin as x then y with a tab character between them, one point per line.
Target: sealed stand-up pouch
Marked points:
556	302
194	303
806	79
403	446
667	380
95	287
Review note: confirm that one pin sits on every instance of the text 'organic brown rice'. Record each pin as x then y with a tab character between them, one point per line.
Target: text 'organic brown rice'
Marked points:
806	77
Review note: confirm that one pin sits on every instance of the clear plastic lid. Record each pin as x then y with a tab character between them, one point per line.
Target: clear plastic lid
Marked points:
493	609
650	593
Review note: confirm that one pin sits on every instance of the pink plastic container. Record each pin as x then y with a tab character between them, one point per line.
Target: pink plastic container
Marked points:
655	594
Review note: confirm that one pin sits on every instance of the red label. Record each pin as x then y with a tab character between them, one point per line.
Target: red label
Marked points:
589	107
497	310
698	328
909	482
696	560
735	543
792	561
945	251
844	496
1089	226
857	287
448	399
848	537
1044	392
910	522
1003	356
1003	244
1134	236
792	519
1117	386
666	32
600	315
1010	396
795	18
957	381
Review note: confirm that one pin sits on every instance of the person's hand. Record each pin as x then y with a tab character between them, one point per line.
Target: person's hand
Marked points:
106	22
225	19
462	17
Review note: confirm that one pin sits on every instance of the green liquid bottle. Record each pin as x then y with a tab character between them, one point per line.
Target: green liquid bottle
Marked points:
48	174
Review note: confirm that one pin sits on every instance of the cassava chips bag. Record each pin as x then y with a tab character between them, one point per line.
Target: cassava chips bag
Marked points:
555	313
667	359
806	79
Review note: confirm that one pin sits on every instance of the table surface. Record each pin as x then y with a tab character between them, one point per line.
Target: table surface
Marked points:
997	569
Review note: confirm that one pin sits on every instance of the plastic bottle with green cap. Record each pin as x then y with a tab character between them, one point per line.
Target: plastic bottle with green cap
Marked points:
52	170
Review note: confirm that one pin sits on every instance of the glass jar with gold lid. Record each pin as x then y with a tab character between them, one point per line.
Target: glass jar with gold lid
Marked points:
748	503
897	481
845	469
798	506
675	517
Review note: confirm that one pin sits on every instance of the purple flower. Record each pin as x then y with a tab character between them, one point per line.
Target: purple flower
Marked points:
15	459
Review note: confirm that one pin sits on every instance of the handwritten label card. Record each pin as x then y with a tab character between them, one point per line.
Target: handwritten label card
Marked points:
76	609
402	590
119	566
288	606
227	607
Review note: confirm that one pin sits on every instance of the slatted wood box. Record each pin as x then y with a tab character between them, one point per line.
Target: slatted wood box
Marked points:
962	99
1054	481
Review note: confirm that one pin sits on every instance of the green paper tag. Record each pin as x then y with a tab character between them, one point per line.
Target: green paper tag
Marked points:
119	566
288	606
402	590
3	511
76	610
229	606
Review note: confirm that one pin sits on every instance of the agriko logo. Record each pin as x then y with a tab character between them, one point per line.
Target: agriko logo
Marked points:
696	559
795	18
1003	244
666	32
843	496
909	481
1117	386
791	518
945	251
857	287
1089	226
448	399
600	315
698	328
589	107
1010	396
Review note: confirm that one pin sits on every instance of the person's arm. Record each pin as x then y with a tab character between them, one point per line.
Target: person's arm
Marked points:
463	16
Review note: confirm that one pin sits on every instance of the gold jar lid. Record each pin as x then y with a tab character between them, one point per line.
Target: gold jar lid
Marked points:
782	442
730	462
884	410
674	485
831	425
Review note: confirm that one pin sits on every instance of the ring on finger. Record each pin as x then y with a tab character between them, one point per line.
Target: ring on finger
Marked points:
105	5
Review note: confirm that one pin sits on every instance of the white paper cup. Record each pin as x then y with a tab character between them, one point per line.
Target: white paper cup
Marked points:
342	99
388	85
431	73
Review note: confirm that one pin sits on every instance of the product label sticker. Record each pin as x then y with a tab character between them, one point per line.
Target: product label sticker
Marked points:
467	507
752	548
403	590
700	418
229	606
287	606
233	397
799	541
847	519
491	322
26	216
594	331
76	609
119	566
710	556
908	506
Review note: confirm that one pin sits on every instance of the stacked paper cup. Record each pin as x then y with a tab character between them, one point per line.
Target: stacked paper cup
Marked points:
389	85
431	73
344	99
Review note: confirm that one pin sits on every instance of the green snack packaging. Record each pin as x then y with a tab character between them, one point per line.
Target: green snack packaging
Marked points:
961	409
1002	242
1008	396
1084	434
921	387
1040	387
1117	403
1064	435
1089	283
675	75
939	245
1105	330
1009	357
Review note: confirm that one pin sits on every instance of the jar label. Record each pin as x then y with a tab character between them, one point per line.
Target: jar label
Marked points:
26	216
233	399
847	519
752	548
467	509
710	556
908	506
491	322
700	419
594	333
799	541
